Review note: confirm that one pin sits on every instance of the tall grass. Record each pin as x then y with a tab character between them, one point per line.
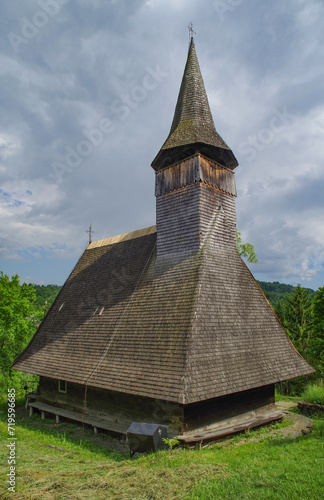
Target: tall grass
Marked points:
314	393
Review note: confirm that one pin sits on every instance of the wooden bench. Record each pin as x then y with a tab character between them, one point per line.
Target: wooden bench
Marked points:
95	421
209	434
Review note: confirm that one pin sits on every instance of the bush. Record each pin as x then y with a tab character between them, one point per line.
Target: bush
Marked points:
314	394
12	379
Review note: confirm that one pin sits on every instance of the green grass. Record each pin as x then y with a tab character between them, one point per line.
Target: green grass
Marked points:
261	465
281	468
284	397
314	394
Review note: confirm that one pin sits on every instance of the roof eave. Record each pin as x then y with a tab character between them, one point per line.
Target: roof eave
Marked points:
169	156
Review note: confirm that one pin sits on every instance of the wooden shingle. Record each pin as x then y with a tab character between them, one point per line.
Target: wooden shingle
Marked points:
193	126
181	329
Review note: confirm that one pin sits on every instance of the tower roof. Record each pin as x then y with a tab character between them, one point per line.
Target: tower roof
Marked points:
193	127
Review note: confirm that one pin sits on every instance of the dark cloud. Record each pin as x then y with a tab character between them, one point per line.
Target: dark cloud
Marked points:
88	62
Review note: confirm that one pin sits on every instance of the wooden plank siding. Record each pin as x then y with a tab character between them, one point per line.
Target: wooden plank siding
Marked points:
195	169
117	410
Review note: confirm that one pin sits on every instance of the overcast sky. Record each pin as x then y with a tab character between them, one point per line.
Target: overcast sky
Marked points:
111	70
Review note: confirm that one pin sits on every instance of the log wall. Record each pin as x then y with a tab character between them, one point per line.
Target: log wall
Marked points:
121	409
213	411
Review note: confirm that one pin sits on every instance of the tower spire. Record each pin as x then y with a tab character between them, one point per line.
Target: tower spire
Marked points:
193	128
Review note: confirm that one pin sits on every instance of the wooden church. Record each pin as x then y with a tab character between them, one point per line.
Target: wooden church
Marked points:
167	324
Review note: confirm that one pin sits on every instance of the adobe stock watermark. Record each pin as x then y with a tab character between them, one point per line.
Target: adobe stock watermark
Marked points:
11	445
31	27
265	136
224	6
121	109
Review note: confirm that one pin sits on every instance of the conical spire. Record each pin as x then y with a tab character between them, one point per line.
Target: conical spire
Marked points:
193	127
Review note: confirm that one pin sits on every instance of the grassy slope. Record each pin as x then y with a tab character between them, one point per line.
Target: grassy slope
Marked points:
253	467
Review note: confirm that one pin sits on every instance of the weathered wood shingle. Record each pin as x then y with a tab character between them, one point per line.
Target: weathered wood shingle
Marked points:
193	127
182	329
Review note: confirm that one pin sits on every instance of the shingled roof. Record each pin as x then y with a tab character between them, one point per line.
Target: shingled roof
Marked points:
182	329
193	127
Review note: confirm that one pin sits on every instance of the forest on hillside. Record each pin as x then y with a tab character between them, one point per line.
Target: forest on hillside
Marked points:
45	296
279	291
23	307
273	291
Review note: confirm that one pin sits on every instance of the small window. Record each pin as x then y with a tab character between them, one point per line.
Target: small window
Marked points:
62	386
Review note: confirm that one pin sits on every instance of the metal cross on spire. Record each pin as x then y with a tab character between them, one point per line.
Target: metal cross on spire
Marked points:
90	231
191	31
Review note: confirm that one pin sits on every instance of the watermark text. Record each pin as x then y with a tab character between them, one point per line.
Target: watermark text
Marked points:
11	445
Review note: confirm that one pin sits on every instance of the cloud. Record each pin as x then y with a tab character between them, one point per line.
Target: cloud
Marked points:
256	63
280	202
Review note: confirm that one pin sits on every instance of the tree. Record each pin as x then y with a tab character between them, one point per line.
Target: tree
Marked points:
298	318
280	310
295	315
317	337
45	296
245	249
318	312
16	325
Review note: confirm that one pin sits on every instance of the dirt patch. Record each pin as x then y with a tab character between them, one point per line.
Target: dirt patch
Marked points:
301	425
286	405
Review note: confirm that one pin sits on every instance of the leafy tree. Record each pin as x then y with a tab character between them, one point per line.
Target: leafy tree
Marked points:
16	325
45	296
245	249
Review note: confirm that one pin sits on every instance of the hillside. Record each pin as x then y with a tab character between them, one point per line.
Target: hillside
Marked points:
44	293
64	461
275	290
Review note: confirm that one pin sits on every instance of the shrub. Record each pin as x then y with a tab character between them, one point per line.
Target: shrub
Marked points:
314	393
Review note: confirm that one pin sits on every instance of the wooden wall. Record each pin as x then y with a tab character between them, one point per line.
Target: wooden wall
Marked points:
216	410
195	169
122	409
187	196
183	217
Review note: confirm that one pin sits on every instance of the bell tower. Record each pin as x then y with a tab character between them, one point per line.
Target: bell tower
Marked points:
194	171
